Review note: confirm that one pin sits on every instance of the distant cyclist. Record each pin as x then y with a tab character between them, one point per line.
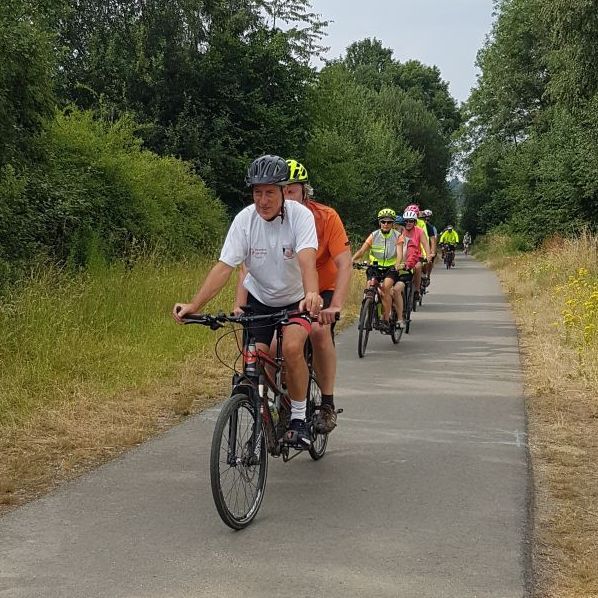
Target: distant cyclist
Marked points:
277	243
381	245
449	236
433	238
466	242
399	224
449	239
427	230
415	235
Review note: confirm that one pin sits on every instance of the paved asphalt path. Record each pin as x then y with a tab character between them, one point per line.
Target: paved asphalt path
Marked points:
423	492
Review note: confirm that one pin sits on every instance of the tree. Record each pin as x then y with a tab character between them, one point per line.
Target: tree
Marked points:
26	66
532	127
213	82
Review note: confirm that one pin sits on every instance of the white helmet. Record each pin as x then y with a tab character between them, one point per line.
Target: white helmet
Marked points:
410	215
427	213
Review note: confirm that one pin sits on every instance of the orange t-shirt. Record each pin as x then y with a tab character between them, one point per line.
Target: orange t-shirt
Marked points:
332	241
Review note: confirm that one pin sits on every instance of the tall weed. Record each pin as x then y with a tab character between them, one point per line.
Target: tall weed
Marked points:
94	334
554	293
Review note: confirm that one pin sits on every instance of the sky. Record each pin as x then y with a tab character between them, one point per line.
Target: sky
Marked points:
445	33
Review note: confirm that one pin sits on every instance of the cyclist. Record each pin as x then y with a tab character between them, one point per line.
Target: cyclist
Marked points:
449	239
433	238
420	223
399	224
409	254
382	247
413	234
466	242
277	243
333	262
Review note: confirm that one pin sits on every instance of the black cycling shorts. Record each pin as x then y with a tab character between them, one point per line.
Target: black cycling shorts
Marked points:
264	333
382	273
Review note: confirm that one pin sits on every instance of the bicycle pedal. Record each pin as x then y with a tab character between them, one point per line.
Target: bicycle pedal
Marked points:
339	410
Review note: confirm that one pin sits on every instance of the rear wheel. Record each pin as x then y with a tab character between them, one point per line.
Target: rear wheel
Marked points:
395	331
366	316
238	470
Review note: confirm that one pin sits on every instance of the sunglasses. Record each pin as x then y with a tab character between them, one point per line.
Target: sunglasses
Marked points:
409	221
387	221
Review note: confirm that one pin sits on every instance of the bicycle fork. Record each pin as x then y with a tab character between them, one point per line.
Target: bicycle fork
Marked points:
250	453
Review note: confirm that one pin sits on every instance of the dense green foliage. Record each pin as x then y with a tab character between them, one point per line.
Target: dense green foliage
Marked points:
26	95
532	132
216	83
123	124
97	195
380	135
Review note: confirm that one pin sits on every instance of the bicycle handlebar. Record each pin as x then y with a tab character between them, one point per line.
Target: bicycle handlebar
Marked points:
360	265
218	320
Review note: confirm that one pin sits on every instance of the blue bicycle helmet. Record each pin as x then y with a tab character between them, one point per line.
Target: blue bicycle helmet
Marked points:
400	220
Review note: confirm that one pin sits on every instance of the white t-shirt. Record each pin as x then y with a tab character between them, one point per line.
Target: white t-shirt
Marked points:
269	251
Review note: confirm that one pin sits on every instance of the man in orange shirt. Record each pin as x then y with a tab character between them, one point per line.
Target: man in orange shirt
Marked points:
334	265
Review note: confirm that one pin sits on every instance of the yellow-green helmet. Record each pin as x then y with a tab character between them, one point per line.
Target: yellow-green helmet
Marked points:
298	172
387	213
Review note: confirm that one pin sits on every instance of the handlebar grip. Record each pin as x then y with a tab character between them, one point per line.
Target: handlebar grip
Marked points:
194	318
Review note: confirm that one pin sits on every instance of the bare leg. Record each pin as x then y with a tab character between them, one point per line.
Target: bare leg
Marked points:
387	298
398	299
296	368
324	357
417	276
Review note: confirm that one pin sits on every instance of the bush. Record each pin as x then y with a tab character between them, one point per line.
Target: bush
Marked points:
95	194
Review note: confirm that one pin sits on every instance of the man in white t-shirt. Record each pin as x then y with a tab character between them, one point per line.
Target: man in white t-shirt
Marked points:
276	242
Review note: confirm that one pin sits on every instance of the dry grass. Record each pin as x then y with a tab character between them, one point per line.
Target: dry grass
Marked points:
54	425
71	437
554	292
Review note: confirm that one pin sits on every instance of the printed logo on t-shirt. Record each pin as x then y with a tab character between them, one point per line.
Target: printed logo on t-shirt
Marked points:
258	252
288	252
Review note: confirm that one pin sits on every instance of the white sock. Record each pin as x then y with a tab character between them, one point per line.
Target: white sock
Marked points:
298	410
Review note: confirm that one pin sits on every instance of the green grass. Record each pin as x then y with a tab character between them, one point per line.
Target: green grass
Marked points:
96	334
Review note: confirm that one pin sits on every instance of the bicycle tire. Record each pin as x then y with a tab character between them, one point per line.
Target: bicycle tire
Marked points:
365	325
238	413
395	332
408	300
319	441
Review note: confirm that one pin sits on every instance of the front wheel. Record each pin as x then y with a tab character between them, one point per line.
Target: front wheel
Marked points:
365	324
238	466
319	441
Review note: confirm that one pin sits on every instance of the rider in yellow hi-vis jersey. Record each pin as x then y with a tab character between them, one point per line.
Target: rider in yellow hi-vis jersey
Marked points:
382	247
449	236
